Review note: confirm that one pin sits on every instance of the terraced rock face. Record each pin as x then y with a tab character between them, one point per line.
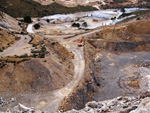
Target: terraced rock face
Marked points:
113	57
9	23
6	39
36	77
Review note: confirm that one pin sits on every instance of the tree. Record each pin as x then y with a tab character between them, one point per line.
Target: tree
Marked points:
84	24
138	18
123	10
47	20
36	26
27	19
43	49
75	25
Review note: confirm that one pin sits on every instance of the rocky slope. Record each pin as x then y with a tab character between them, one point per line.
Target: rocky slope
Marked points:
6	39
113	60
36	75
9	23
49	66
96	3
21	8
123	104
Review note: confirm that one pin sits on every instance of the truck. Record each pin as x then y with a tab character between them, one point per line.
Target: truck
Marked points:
80	43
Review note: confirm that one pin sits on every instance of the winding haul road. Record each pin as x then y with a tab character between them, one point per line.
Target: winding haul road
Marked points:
59	95
54	102
29	28
79	67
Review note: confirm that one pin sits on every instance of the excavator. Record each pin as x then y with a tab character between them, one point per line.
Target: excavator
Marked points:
80	43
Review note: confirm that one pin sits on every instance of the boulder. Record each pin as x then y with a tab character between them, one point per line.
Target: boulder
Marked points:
144	106
145	86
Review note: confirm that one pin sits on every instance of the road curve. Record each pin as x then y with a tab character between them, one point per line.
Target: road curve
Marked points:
29	28
59	95
79	67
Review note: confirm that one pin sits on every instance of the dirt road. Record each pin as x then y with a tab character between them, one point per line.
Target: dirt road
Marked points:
58	95
83	35
29	28
51	101
79	66
19	48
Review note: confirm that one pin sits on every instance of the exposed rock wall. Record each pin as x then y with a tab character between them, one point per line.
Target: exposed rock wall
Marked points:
7	39
9	23
87	87
38	75
119	39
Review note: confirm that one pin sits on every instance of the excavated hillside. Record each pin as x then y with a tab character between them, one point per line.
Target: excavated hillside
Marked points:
113	57
6	39
9	23
35	76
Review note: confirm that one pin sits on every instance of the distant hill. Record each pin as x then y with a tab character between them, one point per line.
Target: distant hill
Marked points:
21	8
97	3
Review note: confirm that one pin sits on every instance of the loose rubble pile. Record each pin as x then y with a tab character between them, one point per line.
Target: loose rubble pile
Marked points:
116	105
23	109
123	104
4	102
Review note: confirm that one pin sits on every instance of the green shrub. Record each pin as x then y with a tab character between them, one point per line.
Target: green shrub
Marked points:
34	55
123	10
24	56
19	23
113	18
1	50
22	32
31	40
43	49
47	20
84	24
138	18
125	15
27	19
42	55
34	51
36	26
75	25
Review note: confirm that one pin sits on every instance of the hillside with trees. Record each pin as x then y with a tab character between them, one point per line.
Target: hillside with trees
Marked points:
21	8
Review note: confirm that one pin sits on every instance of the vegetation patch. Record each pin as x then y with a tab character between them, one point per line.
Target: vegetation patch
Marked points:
14	59
27	19
36	26
21	8
39	53
75	25
125	14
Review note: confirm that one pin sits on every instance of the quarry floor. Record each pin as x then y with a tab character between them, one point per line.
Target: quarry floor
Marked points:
116	72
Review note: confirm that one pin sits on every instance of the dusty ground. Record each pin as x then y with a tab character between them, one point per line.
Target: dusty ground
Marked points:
62	24
104	68
9	23
113	56
115	72
19	48
7	39
36	77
